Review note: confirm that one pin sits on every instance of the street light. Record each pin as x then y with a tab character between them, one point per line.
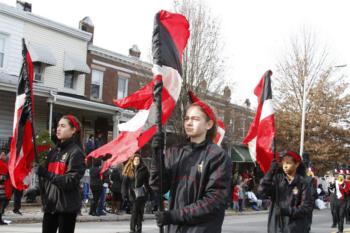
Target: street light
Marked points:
305	94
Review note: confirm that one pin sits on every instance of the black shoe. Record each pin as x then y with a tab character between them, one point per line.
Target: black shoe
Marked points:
3	223
17	212
334	225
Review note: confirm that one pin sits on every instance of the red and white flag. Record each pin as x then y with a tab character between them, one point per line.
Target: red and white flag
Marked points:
261	134
170	35
22	147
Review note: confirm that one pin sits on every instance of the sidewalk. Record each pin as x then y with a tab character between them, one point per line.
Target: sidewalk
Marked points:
32	214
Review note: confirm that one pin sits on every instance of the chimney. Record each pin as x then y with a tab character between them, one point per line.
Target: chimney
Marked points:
86	25
227	92
25	6
134	51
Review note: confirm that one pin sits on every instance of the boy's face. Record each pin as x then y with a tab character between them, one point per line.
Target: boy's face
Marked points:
196	123
3	156
64	130
289	165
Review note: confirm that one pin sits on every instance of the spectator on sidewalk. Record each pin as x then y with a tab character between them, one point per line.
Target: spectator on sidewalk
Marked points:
135	187
235	197
116	189
96	185
5	185
90	144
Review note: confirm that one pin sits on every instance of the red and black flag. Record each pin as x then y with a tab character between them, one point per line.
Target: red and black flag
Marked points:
170	35
261	134
22	144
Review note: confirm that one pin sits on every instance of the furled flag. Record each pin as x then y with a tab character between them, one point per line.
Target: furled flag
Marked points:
22	147
170	35
260	137
220	132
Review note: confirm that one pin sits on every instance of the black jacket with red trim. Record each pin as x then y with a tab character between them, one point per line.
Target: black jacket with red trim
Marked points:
199	179
66	166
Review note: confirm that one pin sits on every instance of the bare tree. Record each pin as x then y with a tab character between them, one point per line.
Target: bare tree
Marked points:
202	65
327	111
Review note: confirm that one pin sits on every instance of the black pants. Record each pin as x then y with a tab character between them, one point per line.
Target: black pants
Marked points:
137	215
348	210
340	209
17	197
96	193
64	222
333	210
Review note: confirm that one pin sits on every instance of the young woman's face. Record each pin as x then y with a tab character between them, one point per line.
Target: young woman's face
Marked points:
196	124
289	165
64	130
136	161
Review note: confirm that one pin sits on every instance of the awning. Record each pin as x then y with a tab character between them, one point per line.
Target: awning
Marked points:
41	53
73	63
240	154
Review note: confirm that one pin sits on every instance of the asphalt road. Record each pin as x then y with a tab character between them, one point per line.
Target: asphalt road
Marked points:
254	223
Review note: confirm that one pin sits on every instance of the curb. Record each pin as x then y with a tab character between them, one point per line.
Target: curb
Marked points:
109	218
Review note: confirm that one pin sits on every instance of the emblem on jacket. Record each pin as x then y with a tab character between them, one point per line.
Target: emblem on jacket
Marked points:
295	191
64	157
200	167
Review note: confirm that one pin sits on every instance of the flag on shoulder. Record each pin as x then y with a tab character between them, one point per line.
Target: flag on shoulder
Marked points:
261	134
170	35
22	146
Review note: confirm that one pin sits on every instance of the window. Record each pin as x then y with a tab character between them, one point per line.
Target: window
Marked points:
96	84
38	69
122	86
69	80
2	50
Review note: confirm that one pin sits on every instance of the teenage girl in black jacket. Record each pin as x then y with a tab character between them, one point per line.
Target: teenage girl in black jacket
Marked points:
60	178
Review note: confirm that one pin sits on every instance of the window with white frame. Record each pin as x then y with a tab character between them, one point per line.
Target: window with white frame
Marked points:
69	80
123	81
38	70
2	50
96	84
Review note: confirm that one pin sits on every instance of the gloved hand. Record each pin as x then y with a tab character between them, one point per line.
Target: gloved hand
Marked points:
285	209
41	171
158	141
274	165
163	218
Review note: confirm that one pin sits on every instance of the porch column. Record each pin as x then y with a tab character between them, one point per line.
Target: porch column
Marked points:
116	119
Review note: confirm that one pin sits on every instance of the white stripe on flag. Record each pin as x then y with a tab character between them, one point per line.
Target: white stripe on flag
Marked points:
136	122
267	109
252	149
20	99
171	80
221	132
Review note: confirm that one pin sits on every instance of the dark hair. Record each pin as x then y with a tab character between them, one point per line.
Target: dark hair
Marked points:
77	135
211	133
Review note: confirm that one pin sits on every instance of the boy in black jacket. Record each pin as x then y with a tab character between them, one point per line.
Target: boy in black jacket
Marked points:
290	195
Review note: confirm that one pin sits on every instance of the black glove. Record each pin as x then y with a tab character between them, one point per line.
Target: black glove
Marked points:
158	141
274	165
41	171
285	210
163	218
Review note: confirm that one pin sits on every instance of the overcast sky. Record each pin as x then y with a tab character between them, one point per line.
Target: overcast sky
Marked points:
255	32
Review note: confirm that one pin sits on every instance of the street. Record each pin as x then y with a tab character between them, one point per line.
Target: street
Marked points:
252	223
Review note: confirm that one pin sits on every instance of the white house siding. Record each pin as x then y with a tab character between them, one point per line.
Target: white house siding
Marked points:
13	28
7	106
59	43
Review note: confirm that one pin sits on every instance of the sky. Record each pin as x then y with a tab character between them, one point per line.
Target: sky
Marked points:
255	33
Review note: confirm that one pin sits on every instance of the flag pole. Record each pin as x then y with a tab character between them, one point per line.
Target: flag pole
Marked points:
157	95
30	94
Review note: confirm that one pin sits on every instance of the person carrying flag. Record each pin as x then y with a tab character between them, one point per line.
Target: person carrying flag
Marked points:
5	185
60	178
290	195
198	175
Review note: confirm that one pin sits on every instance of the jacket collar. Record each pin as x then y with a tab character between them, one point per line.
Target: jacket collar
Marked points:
65	144
195	146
